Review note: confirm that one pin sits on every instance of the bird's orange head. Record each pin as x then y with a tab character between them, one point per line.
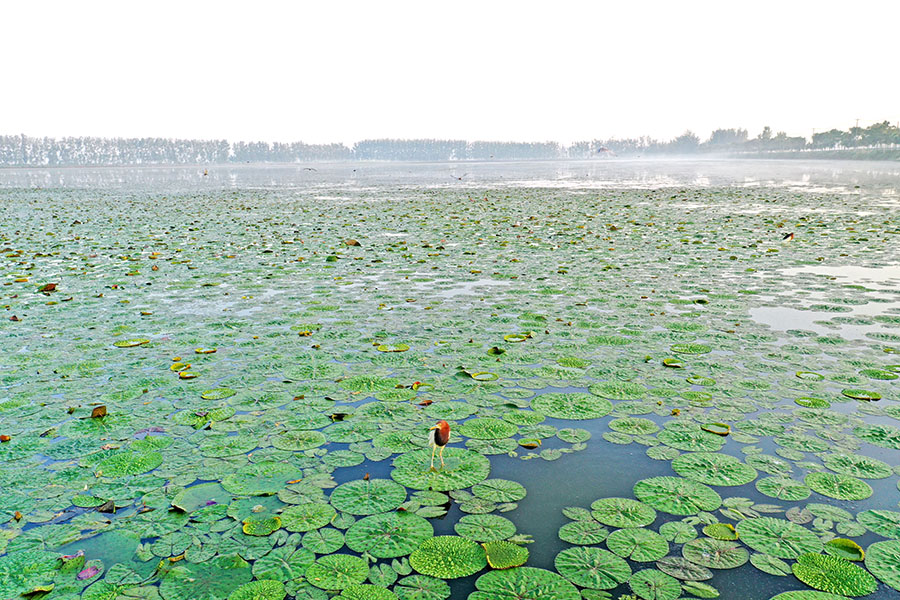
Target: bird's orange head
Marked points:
442	426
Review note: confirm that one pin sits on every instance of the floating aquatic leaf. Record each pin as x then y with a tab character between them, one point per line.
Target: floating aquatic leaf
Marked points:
833	575
859	394
260	479
487	429
388	535
720	531
21	572
259	590
690	349
622	512
583	532
812	402
283	564
129	463
462	469
886	436
634	425
651	584
641	545
715	554
211	580
778	537
770	564
218	394
783	488
840	487
366	592
131	343
369	384
448	557
844	548
678	531
858	465
523	582
261	526
499	490
713	469
807	595
592	567
618	390
504	555
337	571
306	517
683	569
485	528
882	522
883	560
689	440
830	512
571	406
296	441
367	497
677	496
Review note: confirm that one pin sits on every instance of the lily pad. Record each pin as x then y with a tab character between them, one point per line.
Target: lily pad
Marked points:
260	479
505	555
524	582
21	572
485	528
622	512
770	564
573	406
883	560
651	584
840	487
388	535
715	554
306	517
583	533
592	567
713	469
448	557
337	571
487	429
778	537
677	496
833	575
367	497
211	580
844	548
259	590
640	545
681	568
462	469
783	488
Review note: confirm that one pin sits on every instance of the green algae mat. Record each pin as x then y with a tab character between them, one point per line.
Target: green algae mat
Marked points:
226	394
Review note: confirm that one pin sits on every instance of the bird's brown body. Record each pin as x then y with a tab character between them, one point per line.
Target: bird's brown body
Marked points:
438	436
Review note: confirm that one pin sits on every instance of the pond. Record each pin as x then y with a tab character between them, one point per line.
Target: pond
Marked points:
221	386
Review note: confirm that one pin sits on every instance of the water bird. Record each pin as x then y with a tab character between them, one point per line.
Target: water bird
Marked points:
788	237
438	436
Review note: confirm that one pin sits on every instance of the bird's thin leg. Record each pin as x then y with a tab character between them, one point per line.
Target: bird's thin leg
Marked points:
433	448
442	456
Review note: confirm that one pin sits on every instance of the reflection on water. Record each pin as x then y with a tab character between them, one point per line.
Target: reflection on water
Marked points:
886	277
877	179
878	296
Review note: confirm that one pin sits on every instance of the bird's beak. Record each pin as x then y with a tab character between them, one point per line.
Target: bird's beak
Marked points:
430	428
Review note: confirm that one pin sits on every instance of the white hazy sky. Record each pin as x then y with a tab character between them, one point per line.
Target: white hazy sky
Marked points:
321	71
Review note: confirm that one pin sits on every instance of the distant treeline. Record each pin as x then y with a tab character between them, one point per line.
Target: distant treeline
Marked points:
881	140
